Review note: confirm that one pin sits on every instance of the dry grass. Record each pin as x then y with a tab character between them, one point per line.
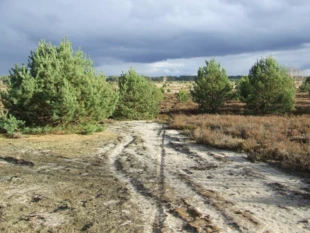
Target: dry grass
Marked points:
70	188
170	105
283	140
174	86
302	103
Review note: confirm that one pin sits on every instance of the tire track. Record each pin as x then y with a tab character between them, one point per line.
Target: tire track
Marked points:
160	215
193	220
167	204
183	187
238	219
117	168
242	221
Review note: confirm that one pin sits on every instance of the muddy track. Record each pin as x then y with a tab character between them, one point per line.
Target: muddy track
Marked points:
180	186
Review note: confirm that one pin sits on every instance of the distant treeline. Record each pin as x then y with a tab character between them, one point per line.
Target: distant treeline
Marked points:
3	79
171	78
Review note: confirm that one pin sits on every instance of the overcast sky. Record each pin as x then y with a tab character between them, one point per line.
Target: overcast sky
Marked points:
161	37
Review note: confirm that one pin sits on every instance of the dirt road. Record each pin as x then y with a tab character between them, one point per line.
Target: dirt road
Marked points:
180	186
142	177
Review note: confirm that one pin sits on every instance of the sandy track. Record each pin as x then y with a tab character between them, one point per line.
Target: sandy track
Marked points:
184	187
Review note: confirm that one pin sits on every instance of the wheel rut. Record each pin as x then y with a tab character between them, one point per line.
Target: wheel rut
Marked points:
160	218
183	187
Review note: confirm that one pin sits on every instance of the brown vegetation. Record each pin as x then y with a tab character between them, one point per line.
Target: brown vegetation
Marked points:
302	103
270	138
283	140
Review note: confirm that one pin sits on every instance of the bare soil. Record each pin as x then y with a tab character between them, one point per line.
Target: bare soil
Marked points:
140	176
185	187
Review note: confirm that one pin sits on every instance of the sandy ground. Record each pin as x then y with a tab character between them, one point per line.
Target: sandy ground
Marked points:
184	187
140	176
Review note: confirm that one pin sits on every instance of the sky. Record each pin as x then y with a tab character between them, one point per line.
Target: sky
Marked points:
160	37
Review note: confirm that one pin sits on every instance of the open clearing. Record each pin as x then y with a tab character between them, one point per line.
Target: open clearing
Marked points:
140	176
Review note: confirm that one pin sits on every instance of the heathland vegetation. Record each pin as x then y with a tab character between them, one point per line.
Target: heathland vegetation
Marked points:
59	91
279	140
263	117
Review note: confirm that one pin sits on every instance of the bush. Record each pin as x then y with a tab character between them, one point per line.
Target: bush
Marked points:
91	128
39	130
212	87
305	87
139	97
267	138
243	88
9	124
269	89
182	96
58	88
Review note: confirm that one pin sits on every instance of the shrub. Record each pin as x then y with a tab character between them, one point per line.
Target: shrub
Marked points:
212	87
269	89
139	97
305	87
58	88
243	88
182	96
91	128
9	124
39	130
280	139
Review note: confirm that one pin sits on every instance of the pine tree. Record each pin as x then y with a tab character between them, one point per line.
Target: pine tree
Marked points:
243	88
305	87
212	87
182	96
58	88
139	97
271	90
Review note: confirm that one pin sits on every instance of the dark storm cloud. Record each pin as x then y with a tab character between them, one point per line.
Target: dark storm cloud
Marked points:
146	31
